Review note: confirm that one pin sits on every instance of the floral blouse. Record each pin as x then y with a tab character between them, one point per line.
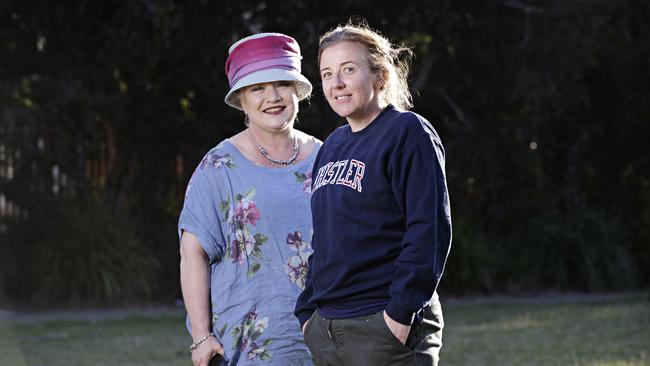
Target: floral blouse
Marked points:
255	225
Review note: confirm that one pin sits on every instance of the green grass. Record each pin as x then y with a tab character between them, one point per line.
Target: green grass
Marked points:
606	333
132	341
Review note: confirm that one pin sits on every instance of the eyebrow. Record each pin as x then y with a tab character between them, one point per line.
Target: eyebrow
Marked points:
342	63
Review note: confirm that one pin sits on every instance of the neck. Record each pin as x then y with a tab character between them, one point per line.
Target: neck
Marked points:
276	149
359	123
276	140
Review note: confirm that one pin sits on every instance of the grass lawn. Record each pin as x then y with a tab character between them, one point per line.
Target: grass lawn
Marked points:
613	332
128	342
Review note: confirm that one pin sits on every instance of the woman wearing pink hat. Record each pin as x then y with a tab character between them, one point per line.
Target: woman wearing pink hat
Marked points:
246	224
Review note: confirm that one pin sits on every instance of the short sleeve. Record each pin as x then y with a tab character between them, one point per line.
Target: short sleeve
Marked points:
201	210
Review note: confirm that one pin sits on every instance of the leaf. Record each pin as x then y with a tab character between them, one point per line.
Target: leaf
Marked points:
222	331
265	355
254	268
234	332
300	176
260	238
225	205
257	252
251	193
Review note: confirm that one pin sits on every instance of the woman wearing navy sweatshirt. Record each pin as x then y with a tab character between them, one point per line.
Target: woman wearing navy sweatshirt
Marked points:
381	215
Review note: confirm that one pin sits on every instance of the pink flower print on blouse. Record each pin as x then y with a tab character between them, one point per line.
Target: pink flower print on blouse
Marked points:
305	179
295	241
244	246
246	337
296	266
246	212
214	160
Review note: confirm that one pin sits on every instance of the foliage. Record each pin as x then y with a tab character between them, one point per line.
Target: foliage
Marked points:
475	262
541	107
74	254
583	250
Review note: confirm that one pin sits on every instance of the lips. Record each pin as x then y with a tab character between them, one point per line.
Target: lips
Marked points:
343	97
274	110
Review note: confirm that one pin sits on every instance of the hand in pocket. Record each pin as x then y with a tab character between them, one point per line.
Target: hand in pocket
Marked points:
399	330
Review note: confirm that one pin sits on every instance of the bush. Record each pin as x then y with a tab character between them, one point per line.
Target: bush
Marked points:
581	250
474	261
75	253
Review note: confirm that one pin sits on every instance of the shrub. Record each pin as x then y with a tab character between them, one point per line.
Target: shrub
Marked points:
75	253
474	261
581	250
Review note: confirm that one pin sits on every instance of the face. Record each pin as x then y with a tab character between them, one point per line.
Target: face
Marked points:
270	106
350	86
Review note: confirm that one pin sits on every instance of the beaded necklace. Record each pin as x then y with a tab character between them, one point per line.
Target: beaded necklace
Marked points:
265	153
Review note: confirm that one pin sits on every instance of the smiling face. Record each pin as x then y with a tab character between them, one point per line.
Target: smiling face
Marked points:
350	86
272	106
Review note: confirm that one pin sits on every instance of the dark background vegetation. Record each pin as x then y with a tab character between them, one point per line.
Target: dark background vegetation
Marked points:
106	107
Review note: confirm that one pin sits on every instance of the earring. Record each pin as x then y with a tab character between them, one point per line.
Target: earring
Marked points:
246	120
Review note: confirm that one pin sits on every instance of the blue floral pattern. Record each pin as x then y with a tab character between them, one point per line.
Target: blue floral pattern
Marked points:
305	179
255	226
247	336
213	160
296	266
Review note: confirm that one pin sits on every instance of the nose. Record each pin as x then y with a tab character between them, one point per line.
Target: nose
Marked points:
273	95
337	81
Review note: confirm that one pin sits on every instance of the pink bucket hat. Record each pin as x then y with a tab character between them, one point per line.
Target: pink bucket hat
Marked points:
263	58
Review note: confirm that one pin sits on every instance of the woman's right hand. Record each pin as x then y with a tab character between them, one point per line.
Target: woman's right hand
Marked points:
202	355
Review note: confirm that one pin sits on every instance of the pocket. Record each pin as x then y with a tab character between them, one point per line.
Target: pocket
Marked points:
309	323
385	332
306	335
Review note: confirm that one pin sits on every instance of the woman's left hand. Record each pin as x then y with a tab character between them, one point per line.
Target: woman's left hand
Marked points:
400	331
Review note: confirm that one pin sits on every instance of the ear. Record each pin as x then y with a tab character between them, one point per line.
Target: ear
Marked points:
381	78
240	97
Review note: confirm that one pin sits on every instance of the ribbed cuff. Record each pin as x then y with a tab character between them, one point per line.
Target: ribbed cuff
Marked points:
400	315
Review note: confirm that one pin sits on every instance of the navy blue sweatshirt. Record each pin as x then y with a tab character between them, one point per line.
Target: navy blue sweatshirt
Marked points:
381	216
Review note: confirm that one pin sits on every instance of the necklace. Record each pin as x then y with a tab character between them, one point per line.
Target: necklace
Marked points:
265	153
